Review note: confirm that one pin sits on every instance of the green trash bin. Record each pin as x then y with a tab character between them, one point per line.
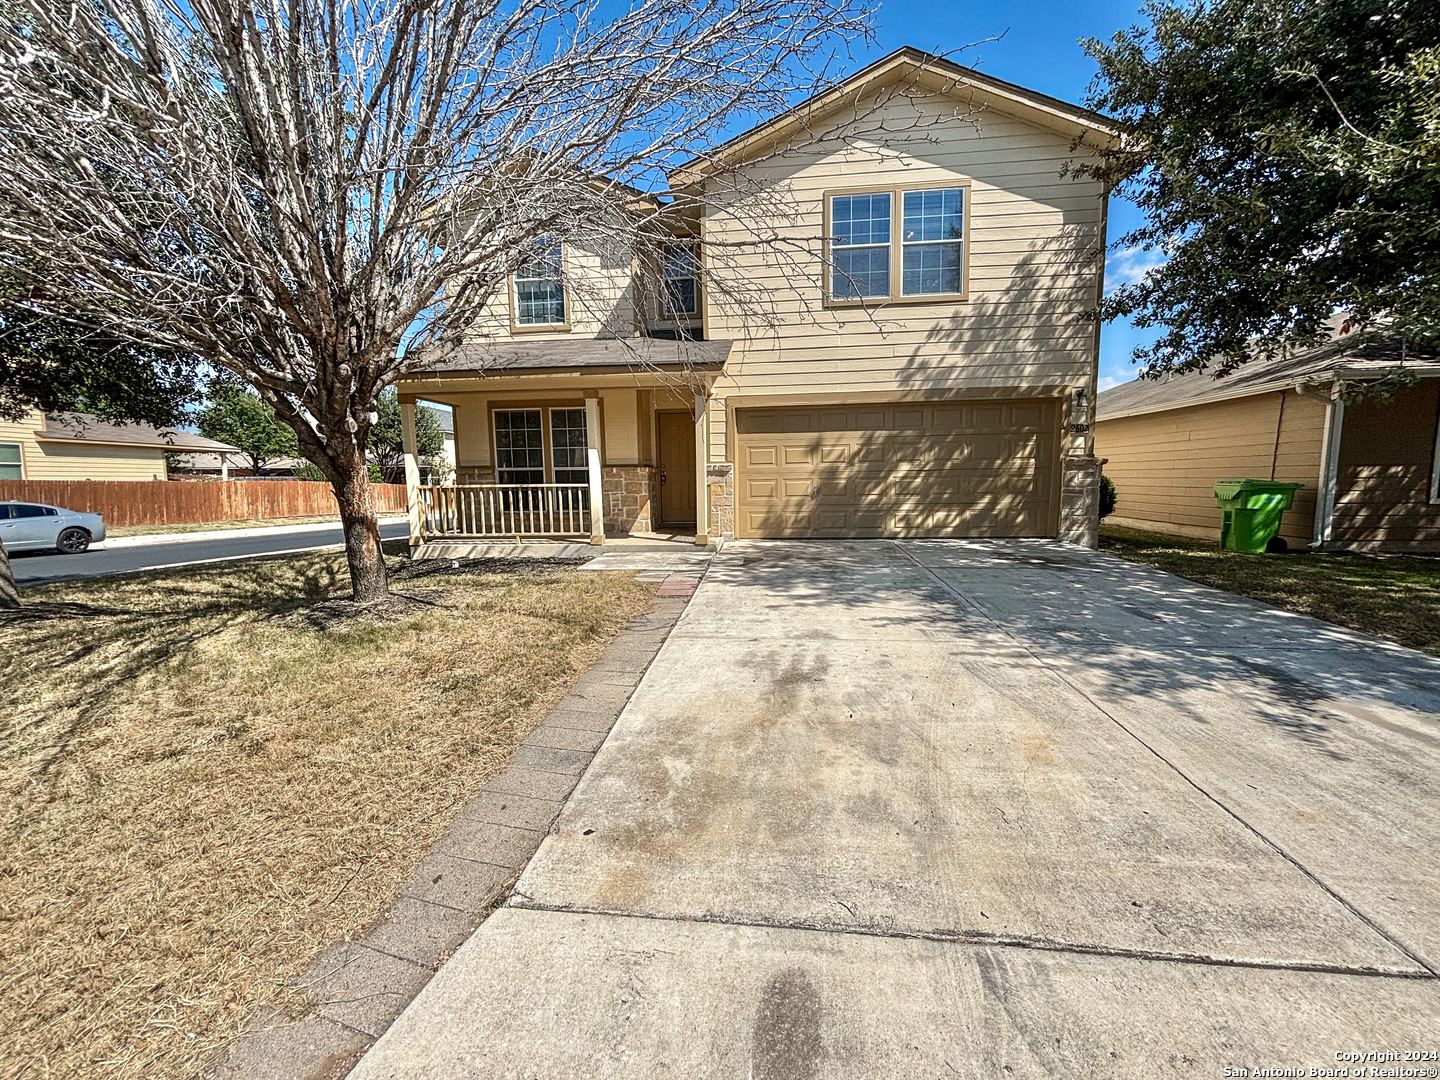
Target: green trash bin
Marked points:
1251	511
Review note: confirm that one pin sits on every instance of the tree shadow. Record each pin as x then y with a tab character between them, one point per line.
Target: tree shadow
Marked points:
1140	643
64	659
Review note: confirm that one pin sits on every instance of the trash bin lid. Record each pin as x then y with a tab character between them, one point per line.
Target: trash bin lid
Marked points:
1229	491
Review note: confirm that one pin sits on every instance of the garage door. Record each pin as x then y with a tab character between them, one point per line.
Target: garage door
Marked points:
952	469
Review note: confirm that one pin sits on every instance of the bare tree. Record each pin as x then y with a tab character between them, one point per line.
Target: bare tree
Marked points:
309	193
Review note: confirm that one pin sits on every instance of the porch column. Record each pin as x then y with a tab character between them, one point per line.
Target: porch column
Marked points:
592	463
702	454
1329	466
412	471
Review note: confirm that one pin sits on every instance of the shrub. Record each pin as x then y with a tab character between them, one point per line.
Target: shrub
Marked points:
1107	496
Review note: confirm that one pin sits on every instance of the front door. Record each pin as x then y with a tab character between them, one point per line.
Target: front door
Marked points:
677	469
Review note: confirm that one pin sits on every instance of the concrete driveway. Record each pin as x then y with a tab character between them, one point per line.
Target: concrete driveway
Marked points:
936	809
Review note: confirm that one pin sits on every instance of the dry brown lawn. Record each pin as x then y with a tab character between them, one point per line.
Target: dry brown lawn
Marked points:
209	777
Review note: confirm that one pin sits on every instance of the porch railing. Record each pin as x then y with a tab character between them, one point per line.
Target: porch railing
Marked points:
505	510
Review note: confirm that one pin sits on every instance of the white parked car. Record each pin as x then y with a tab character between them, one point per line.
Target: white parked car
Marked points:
37	527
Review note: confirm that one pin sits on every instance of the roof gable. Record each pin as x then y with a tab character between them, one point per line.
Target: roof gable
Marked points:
934	74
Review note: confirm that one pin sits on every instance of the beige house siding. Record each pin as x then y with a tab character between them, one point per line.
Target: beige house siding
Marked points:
23	435
49	460
1387	455
1165	464
1033	244
599	301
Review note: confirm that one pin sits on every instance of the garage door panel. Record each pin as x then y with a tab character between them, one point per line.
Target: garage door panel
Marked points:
947	469
871	419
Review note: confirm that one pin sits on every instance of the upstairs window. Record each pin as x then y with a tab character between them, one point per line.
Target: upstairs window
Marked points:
932	235
929	260
10	462
540	287
679	283
860	246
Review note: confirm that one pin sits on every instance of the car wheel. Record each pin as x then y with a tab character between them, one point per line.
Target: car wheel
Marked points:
72	541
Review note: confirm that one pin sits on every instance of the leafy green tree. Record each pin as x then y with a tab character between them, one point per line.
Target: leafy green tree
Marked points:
1286	154
386	446
55	365
60	367
238	416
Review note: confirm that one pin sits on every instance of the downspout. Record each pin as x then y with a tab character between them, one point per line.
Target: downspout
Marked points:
1329	461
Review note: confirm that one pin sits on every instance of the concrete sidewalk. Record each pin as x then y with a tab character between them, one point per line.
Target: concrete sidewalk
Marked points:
941	809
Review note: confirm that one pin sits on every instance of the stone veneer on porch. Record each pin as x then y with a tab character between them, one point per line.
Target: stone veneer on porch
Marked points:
628	494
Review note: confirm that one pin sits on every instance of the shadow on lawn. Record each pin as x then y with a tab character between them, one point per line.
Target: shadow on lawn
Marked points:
72	645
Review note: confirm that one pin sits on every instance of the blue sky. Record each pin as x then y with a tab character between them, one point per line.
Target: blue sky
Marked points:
1040	49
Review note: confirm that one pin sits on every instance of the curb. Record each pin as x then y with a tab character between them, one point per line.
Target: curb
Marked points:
114	542
363	985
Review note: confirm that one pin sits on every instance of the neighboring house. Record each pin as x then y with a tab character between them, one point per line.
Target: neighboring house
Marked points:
909	361
77	446
232	466
1371	466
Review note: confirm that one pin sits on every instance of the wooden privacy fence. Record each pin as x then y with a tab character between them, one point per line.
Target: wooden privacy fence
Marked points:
174	502
505	510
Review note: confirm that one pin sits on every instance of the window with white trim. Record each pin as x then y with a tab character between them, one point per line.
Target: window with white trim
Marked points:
519	446
932	234
12	466
679	283
540	286
523	456
568	446
860	246
864	261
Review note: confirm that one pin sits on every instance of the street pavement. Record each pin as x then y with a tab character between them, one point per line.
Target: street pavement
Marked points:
36	568
971	809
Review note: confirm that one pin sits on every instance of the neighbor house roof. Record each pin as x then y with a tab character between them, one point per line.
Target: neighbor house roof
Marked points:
932	72
1323	364
520	356
74	427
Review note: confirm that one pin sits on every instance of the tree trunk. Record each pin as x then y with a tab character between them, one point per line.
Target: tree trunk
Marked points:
368	577
9	593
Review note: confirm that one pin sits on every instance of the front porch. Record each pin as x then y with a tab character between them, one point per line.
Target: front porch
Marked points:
564	458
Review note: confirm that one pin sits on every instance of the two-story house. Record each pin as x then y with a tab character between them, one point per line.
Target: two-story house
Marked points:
870	325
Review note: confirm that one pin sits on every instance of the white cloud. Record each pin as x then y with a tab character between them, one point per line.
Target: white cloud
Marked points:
1106	382
1130	265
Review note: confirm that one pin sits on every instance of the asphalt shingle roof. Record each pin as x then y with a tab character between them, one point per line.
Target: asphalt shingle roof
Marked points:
1318	365
85	428
520	356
